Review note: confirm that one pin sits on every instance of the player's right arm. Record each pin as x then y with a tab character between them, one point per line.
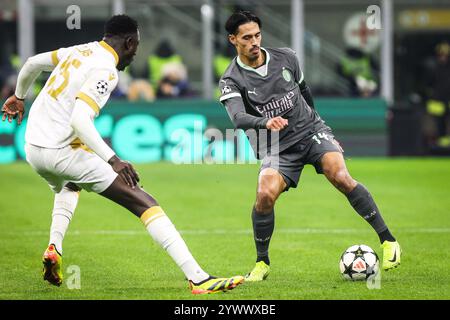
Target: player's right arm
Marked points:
232	100
47	61
242	120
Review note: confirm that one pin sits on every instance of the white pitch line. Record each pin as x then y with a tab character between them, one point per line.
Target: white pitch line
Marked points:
231	231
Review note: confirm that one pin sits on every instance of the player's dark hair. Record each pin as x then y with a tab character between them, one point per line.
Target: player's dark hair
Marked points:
238	18
120	25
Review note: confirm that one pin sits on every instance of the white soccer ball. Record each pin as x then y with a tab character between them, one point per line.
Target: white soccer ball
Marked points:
359	262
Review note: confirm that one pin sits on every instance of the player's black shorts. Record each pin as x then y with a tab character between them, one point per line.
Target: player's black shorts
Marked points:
290	162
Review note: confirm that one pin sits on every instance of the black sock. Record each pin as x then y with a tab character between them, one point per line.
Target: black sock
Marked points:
263	225
386	236
362	201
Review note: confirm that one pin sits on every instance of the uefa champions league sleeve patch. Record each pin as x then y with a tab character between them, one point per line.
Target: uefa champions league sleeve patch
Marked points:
102	87
226	90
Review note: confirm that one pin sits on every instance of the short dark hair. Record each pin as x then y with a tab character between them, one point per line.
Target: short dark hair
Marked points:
238	18
120	25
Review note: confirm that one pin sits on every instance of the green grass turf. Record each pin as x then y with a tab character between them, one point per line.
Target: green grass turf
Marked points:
211	205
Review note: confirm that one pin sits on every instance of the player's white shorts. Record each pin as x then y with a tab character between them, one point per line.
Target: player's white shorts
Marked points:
60	166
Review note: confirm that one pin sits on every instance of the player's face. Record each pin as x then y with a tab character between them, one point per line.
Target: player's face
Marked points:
131	46
248	41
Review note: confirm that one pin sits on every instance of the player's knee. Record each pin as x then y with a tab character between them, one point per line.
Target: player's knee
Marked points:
265	200
343	181
136	200
72	186
143	201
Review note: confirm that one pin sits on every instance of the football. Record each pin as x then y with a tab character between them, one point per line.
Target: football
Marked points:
359	262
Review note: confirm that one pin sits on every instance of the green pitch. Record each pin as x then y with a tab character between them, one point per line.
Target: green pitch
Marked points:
211	207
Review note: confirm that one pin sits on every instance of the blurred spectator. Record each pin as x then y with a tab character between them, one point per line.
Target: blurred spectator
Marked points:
141	89
133	89
121	90
8	87
221	62
8	75
164	55
360	70
9	70
437	97
174	81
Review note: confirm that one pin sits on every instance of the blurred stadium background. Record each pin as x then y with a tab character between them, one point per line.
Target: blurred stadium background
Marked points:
377	88
383	91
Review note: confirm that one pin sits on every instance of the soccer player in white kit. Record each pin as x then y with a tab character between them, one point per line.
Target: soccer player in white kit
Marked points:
63	146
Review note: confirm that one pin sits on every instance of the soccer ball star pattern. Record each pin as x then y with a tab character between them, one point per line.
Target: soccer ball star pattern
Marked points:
102	87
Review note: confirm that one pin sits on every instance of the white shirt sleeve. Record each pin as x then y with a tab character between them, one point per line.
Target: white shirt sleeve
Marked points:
97	88
59	54
83	125
33	67
31	70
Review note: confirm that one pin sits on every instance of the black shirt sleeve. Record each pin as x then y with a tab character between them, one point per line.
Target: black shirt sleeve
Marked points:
240	118
306	93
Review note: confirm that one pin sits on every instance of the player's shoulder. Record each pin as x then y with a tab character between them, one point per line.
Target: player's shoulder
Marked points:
285	51
101	68
283	55
85	46
232	72
88	49
96	56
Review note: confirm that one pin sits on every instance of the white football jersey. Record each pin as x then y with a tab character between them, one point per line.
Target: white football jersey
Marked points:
87	72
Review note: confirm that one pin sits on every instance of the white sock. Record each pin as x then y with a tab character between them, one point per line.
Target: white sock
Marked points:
164	232
63	208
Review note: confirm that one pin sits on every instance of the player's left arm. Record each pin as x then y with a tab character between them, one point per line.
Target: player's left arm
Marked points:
91	98
82	121
93	95
300	79
14	106
306	93
96	90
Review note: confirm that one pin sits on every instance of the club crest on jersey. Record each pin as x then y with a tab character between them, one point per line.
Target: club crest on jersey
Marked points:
102	87
286	74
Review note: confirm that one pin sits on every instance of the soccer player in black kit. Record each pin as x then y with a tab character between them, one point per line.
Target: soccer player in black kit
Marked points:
265	89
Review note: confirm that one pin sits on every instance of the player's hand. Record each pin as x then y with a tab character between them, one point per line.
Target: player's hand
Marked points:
13	108
125	170
276	124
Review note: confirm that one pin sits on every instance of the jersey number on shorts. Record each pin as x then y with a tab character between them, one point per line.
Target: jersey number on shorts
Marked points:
64	73
319	136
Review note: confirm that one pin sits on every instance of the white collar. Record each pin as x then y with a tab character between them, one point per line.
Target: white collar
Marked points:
244	66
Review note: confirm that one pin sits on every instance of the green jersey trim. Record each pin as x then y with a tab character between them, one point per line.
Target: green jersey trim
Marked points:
301	78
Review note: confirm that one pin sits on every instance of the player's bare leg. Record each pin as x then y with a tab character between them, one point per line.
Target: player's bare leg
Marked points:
335	170
144	206
270	185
